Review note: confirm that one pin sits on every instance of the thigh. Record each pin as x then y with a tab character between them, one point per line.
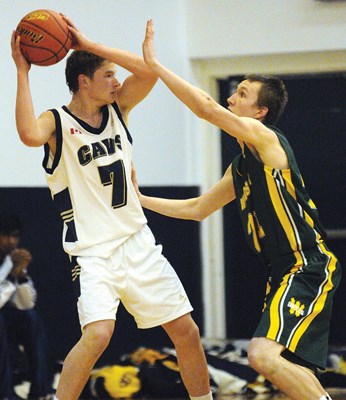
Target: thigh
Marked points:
100	286
155	294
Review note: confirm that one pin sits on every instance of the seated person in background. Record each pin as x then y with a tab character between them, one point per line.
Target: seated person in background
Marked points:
5	378
20	323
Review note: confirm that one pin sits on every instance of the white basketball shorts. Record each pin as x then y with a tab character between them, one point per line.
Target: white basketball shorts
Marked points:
138	275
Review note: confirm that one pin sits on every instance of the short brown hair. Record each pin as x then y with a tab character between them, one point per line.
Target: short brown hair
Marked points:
273	95
81	62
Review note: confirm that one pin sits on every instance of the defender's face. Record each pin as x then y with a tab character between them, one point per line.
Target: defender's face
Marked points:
104	83
243	102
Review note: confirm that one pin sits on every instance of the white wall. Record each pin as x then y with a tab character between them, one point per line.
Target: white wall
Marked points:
222	28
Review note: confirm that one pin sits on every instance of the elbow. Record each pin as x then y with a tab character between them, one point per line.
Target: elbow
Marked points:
30	134
29	140
205	109
151	77
199	213
148	74
200	216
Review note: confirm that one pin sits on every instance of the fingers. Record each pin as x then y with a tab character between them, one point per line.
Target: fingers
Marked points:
15	39
21	255
149	27
68	20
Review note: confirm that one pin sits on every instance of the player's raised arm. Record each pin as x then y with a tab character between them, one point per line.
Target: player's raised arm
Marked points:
200	102
142	79
31	132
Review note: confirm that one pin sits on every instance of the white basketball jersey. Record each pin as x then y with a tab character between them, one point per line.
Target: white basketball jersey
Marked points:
90	181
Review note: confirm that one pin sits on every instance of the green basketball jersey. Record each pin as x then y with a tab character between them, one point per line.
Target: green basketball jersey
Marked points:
278	216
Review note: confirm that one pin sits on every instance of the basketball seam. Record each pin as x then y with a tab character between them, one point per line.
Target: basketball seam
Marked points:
61	28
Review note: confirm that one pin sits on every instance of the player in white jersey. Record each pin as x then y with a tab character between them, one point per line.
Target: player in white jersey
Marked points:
91	170
88	168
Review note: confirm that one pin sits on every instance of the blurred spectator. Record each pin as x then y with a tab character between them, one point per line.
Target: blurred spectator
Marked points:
23	342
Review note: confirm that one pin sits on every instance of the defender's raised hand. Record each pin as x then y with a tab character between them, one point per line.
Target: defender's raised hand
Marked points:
148	49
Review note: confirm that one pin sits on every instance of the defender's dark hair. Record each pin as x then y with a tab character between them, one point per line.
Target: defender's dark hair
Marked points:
9	223
273	95
81	62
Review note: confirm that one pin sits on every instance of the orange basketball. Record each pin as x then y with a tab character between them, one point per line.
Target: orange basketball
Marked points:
44	37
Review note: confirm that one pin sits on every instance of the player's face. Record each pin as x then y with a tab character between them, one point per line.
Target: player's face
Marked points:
104	84
243	102
8	242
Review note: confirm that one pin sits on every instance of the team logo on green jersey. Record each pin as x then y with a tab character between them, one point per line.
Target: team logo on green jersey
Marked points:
295	307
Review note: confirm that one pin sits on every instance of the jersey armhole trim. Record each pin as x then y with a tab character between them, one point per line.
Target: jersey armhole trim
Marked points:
117	110
58	136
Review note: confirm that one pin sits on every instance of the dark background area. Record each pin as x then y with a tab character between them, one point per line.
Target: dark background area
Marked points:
50	269
315	124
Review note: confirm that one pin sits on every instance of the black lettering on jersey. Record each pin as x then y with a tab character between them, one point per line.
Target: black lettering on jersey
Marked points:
118	141
96	150
110	145
84	155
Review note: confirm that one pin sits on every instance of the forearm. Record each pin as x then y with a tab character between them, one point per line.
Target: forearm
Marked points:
198	101
25	117
182	209
127	60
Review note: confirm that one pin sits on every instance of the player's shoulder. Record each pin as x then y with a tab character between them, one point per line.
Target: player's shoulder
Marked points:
47	115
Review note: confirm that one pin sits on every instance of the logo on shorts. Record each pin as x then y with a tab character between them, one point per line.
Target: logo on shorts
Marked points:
295	307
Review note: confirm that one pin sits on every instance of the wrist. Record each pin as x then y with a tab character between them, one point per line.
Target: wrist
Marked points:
142	199
90	46
22	74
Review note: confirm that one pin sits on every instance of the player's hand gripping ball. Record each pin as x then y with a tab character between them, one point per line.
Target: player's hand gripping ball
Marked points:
44	37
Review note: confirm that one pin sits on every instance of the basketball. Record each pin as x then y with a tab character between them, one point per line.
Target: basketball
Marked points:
44	37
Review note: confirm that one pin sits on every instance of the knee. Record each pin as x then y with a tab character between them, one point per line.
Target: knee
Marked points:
97	335
192	332
184	331
260	356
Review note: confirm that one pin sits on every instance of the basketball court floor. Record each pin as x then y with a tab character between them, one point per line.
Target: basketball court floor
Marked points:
335	394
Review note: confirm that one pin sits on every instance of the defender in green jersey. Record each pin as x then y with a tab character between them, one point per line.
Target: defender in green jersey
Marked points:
280	222
281	225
